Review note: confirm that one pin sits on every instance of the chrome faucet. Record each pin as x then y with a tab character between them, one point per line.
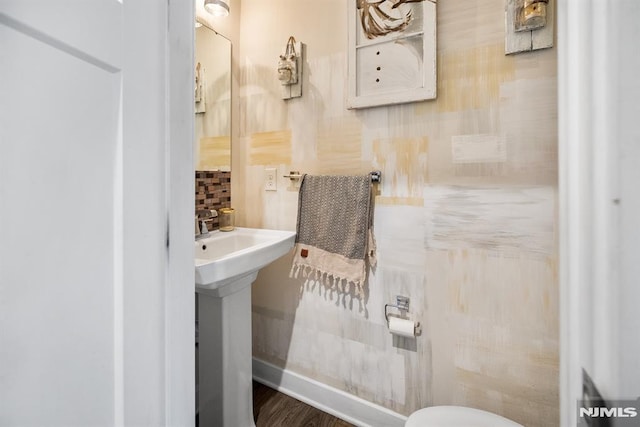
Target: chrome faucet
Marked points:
201	229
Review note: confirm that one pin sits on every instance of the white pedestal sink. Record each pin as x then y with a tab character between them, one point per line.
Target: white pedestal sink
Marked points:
226	265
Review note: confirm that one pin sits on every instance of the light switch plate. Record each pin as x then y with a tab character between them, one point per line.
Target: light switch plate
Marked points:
270	179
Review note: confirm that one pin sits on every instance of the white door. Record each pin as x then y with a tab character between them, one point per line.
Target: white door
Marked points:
88	274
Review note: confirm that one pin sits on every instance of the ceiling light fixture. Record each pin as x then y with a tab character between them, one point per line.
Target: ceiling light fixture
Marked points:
217	7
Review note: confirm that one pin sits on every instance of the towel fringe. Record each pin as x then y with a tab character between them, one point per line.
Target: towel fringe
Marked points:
328	279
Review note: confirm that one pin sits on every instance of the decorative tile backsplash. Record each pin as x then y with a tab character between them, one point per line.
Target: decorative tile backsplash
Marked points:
213	191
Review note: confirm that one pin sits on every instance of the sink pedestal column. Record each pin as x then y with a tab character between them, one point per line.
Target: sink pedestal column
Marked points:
225	359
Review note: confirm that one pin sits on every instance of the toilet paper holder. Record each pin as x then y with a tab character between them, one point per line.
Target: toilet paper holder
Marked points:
402	303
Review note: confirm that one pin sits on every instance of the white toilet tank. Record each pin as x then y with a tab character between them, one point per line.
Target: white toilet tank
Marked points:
457	416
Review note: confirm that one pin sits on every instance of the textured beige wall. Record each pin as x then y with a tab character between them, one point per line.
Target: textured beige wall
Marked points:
470	239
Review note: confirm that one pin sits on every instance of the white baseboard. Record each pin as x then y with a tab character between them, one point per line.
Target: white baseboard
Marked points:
328	399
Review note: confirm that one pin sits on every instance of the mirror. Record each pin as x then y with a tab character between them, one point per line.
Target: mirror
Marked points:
212	97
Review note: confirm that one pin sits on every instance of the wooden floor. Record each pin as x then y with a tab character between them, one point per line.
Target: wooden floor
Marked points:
274	409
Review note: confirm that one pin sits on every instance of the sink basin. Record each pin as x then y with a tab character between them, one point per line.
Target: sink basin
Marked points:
223	258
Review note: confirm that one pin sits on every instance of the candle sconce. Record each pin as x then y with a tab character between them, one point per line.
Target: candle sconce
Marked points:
530	15
529	25
290	66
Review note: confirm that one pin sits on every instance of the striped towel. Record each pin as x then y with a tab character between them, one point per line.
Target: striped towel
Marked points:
335	237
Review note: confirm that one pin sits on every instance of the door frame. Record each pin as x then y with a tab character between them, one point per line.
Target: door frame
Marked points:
599	204
179	299
158	370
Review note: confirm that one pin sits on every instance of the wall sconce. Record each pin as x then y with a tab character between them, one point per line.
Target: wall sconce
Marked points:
290	69
531	15
199	91
219	8
529	25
